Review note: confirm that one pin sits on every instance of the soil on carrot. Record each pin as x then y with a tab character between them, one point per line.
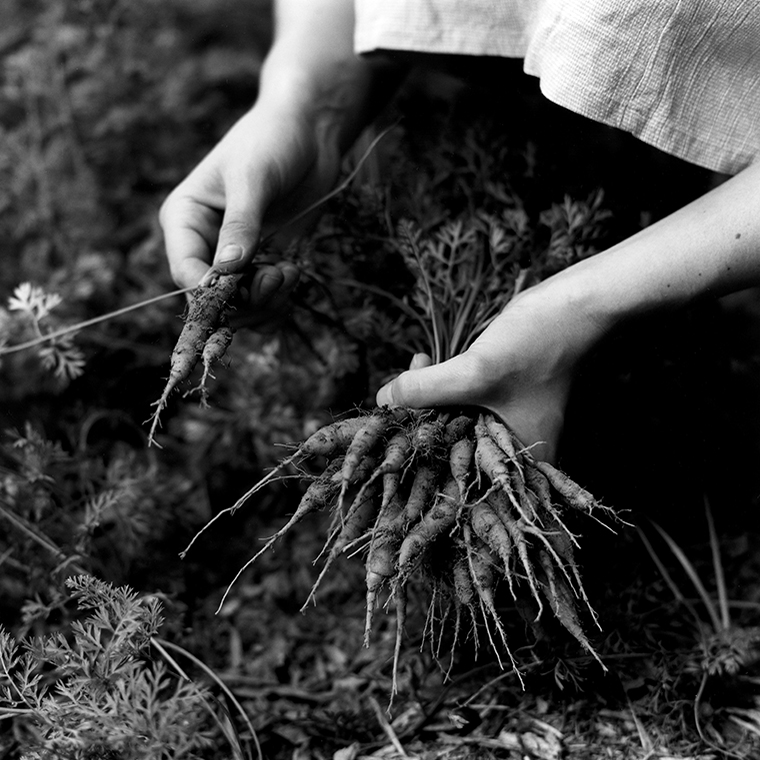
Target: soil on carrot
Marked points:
104	107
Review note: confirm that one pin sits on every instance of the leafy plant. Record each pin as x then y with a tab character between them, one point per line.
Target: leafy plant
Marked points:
726	654
93	694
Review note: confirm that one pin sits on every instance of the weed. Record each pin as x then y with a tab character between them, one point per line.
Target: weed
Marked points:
92	693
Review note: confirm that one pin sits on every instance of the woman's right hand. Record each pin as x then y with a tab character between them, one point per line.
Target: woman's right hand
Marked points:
273	163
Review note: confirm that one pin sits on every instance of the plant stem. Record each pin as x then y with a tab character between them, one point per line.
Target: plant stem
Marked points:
89	322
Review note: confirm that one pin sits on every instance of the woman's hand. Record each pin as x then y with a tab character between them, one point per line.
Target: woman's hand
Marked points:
267	168
521	368
315	97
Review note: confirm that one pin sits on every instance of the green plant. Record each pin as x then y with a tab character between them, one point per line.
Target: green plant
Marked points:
724	659
92	694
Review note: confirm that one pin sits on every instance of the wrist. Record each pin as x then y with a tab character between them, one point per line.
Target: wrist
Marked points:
339	92
572	308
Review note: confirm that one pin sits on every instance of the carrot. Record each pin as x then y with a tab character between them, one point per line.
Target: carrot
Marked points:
536	482
363	442
213	351
563	543
318	495
460	462
439	518
331	439
397	451
463	594
562	602
427	437
494	462
381	559
489	528
420	493
352	529
574	496
498	502
460	427
499	432
490	459
484	582
206	306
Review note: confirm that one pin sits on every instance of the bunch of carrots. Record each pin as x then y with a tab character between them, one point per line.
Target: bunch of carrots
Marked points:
448	495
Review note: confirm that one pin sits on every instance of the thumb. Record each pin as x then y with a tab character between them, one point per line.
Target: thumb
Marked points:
239	233
435	385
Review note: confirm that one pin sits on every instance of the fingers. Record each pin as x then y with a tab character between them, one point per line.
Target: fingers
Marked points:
241	226
426	384
189	231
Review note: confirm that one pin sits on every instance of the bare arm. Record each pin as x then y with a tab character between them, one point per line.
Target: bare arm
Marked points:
522	366
315	96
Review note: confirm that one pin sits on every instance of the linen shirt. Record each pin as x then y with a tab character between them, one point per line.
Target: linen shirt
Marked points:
682	75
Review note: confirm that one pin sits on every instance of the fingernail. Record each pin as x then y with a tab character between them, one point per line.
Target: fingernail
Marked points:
230	254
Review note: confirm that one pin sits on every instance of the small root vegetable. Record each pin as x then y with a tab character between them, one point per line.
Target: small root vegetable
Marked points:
489	528
381	558
441	516
353	528
461	459
427	437
202	318
563	605
213	351
573	495
460	427
484	581
420	493
361	444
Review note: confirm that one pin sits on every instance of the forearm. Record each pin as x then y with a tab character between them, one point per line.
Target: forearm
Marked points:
313	69
709	248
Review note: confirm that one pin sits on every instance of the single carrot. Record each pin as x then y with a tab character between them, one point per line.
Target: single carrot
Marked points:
368	436
318	495
562	603
213	352
499	503
461	457
481	566
352	529
397	451
460	427
331	439
490	458
427	436
381	558
573	495
489	528
439	518
464	595
421	492
499	432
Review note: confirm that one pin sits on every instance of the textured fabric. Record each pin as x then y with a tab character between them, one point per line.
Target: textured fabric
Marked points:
682	75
